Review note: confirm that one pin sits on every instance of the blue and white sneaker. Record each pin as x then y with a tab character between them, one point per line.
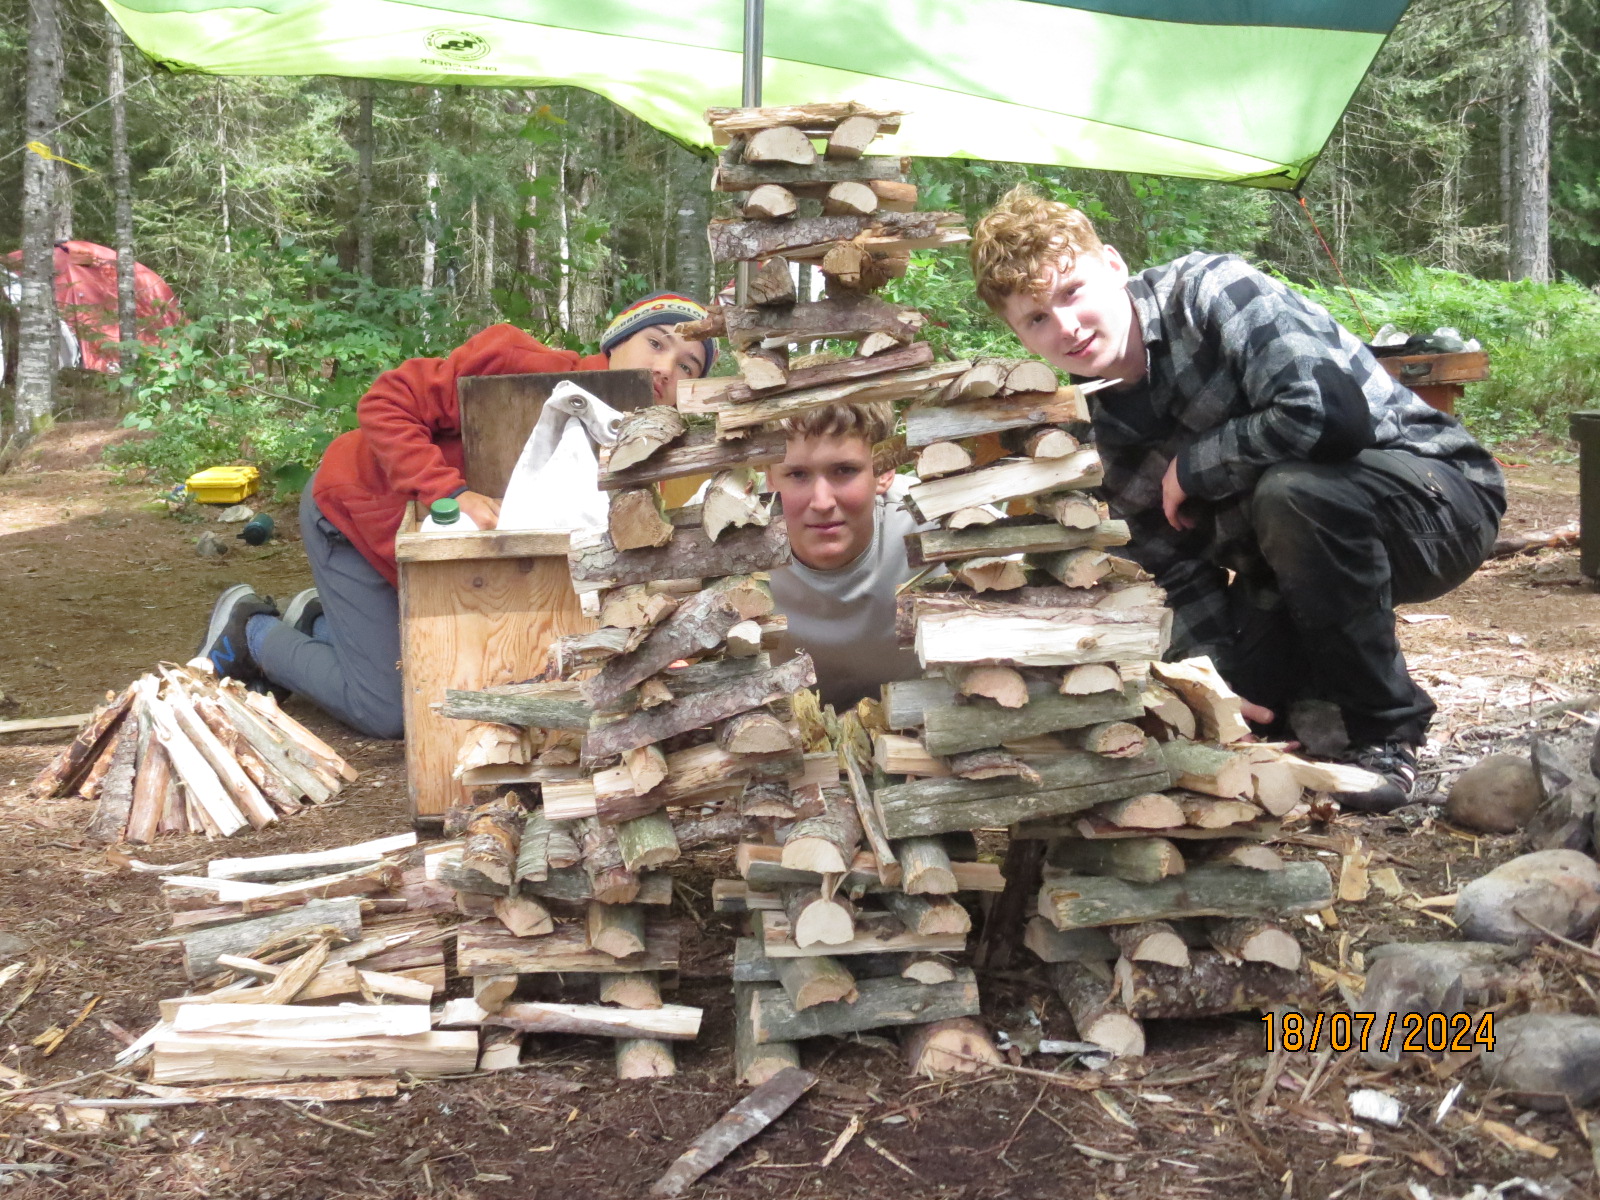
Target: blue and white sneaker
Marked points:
224	642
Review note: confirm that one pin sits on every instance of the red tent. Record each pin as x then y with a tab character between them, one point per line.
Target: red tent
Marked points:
86	297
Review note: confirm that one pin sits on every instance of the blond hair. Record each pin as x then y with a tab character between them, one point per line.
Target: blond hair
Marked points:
873	421
1023	236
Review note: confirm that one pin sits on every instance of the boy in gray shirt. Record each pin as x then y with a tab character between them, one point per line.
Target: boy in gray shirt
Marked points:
847	531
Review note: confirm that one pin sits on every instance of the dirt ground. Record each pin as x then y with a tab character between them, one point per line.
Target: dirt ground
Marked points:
98	582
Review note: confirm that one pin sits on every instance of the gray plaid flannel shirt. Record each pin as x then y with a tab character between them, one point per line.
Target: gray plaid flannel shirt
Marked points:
1244	373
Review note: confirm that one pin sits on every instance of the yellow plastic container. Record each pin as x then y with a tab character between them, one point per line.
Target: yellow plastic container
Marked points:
223	485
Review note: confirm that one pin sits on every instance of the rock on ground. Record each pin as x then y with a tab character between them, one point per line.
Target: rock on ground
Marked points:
1498	795
1556	889
1546	1059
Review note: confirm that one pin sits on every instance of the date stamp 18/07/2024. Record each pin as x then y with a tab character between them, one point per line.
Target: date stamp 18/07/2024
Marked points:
1435	1032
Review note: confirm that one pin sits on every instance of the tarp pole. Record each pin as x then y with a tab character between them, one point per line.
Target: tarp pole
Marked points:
750	97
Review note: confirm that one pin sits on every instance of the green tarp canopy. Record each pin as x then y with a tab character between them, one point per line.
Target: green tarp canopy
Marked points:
1240	90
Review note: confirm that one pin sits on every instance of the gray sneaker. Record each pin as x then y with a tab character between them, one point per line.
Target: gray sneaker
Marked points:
302	613
1396	762
224	642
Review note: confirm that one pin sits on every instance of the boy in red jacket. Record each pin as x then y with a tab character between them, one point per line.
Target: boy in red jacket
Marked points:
338	644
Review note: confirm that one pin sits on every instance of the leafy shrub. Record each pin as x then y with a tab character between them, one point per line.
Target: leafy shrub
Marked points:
271	371
1543	341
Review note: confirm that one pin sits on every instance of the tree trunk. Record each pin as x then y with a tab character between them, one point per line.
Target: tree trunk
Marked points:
430	220
122	186
1529	235
36	358
589	287
364	178
691	275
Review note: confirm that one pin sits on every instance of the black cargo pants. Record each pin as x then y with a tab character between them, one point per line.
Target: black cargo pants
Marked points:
1344	543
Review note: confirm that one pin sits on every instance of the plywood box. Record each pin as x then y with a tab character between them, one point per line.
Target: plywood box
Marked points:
481	608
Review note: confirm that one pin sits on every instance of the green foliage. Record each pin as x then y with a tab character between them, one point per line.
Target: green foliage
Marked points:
269	372
1543	340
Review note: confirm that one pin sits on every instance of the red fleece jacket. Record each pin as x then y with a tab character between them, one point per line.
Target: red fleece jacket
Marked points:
407	445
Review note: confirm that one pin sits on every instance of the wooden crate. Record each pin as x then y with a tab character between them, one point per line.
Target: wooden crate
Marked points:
1439	378
481	608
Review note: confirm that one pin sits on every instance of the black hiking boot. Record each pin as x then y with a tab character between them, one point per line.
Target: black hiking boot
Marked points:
1396	763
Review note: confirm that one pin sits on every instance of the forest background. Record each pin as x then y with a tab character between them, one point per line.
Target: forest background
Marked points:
320	230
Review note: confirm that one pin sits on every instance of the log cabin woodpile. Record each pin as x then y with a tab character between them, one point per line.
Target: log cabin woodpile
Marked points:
180	751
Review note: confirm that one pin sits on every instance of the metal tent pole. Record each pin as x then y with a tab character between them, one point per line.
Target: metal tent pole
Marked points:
750	97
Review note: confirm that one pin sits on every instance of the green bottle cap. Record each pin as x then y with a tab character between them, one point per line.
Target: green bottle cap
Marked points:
445	512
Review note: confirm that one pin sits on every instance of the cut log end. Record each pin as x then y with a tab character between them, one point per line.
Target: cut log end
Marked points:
958	1045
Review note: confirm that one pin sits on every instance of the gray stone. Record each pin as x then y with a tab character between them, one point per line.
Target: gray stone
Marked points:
1545	1060
11	946
1498	795
1556	889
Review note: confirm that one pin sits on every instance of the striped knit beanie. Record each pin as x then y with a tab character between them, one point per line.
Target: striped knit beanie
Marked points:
664	308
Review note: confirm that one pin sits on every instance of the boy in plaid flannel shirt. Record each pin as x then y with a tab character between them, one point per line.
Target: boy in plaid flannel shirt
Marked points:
1283	488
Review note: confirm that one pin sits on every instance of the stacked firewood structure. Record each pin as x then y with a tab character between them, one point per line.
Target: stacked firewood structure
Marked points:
1045	708
180	751
316	964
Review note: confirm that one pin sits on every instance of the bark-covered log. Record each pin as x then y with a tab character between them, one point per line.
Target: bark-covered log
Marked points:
1137	860
933	421
647	842
781	405
645	432
62	773
1070	782
597	565
818	920
1030	537
536	705
807	238
616	929
486	949
699	711
1208	986
742	1122
1076	901
953	728
1208	769
1256	940
610	881
714	395
815	120
1043	638
1097	1009
1008	479
637	520
771	283
110	820
202	947
671	1021
700	453
928	916
1150	941
755	1062
493	836
925	867
879	1002
955	1046
744	176
815	980
992	763
825	844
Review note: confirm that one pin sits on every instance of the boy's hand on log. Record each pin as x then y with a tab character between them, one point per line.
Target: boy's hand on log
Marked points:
484	510
1172	498
1255	713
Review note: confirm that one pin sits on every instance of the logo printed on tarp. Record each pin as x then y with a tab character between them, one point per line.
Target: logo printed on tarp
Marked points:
458	44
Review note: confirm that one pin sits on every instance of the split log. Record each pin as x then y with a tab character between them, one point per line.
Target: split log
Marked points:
772	282
930	421
894	196
637	519
110	820
700	453
1054	945
1070	782
770	201
279	868
818	920
1030	375
894	754
754	1062
500	1050
925	867
1207	769
596	564
633	607
741	1123
1113	739
493	835
928	968
1096	1009
644	432
755	732
1094	829
63	772
631	989
1534	539
523	916
319	754
953	728
1152	810
646	767
971	518
1162	705
1200	686
670	1022
815	980
1138	860
768	800
857	268
991	574
1203	812
1244	855
873	389
992	763
610	880
876	933
808	238
1274	787
690	773
1251	939
714	395
486	949
1076	568
825	844
816	120
761	866
928	916
744	640
1209	986
1334	778
850	198
763	368
779	144
699	624
1031	537
190	1058
201	948
1076	901
1150	941
879	1003
490	992
1043	441
1007	479
241	789
152	785
616	929
955	1046
1074	510
645	1058
983	379
850	137
647	842
942	458
1056	638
